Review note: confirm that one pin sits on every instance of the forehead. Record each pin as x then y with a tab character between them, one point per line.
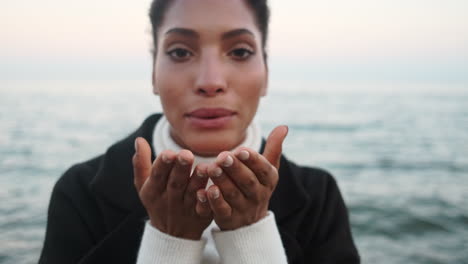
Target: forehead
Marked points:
209	16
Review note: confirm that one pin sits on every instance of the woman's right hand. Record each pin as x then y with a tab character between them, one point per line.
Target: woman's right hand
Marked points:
169	193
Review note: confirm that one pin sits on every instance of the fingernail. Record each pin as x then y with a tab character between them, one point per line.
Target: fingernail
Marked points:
217	172
228	161
244	155
182	161
214	194
200	174
166	159
201	197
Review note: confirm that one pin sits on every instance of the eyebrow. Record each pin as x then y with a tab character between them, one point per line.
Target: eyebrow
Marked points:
193	34
183	31
236	32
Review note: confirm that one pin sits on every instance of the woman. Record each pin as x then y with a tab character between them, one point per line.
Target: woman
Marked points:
202	191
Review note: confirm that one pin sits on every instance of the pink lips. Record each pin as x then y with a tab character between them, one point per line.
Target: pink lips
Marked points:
210	117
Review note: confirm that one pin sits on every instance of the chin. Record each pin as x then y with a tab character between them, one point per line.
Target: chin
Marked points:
212	145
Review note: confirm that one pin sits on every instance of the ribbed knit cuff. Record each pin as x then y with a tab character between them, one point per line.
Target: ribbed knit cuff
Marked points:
158	247
257	243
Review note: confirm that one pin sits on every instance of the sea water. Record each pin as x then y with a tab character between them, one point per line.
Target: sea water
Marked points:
400	156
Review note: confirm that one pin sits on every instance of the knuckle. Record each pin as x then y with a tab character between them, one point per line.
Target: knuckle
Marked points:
248	184
176	185
231	195
255	157
264	172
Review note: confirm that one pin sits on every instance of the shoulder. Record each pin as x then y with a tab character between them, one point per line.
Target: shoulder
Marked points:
111	168
75	181
303	190
313	217
314	180
318	188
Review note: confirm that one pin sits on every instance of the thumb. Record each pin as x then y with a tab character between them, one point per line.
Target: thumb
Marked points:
274	145
141	162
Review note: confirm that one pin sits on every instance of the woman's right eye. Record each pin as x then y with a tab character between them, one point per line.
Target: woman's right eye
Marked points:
179	54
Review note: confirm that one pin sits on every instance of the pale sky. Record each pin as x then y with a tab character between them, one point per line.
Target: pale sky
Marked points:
388	40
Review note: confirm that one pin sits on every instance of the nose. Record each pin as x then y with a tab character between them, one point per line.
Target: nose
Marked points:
210	78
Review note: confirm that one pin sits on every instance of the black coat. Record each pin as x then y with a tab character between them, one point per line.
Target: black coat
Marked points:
95	215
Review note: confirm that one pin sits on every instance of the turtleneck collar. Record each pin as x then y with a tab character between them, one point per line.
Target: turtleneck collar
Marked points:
162	140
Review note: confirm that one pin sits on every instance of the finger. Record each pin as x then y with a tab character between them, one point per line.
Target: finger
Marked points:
230	191
239	173
203	208
197	181
161	170
179	176
141	162
274	145
265	172
220	208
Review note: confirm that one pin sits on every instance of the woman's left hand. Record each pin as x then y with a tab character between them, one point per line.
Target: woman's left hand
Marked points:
243	183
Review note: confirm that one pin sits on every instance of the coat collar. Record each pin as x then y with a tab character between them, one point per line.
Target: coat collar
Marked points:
114	179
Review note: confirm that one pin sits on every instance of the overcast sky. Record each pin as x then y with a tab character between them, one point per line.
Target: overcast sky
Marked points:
342	40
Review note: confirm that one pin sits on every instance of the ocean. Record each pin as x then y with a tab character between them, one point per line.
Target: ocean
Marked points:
400	156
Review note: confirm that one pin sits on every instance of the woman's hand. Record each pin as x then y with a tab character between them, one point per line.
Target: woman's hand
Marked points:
243	183
169	193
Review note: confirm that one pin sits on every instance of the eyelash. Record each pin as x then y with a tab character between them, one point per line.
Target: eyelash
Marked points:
241	58
176	56
173	54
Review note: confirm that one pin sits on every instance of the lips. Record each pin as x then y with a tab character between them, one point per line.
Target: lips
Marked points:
210	113
210	117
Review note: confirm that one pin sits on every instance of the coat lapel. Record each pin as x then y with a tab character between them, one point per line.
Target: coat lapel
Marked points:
114	179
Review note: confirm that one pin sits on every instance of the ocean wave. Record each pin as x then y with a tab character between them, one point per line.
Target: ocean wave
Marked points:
408	166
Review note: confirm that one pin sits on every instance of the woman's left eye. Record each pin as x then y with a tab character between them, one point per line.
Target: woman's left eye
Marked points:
241	54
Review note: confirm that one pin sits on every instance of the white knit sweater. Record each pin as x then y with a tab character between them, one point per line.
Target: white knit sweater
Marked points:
257	243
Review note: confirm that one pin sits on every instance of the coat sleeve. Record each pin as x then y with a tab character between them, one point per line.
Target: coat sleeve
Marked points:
330	241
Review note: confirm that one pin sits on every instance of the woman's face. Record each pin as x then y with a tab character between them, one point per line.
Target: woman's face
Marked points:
209	72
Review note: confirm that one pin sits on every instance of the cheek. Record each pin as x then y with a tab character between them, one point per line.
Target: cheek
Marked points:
251	89
164	85
254	83
168	83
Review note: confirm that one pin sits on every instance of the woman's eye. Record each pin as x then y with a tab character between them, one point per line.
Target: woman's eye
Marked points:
241	54
179	54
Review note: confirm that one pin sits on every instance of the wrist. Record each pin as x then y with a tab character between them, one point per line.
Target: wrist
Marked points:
236	225
191	235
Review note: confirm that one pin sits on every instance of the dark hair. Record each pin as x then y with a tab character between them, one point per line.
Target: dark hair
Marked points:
259	7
